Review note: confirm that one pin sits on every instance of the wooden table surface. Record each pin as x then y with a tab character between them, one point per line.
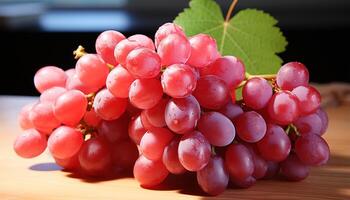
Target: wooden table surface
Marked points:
40	178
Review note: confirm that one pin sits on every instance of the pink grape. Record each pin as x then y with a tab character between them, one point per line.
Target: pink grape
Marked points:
149	173
165	30
70	73
92	70
181	115
312	150
91	118
194	151
229	68
43	118
250	126
239	161
123	49
136	129
283	108
260	165
293	169
30	143
143	63
124	154
105	45
64	142
171	157
203	50
70	107
50	95
231	110
324	118
144	119
109	107
309	99
309	124
256	93
23	117
48	77
292	75
174	49
154	141
69	164
114	130
95	157
217	128
213	178
145	93
143	40
211	92
275	145
178	80
73	83
156	115
118	82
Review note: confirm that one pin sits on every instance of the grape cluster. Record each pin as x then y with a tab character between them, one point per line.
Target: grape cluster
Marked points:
170	107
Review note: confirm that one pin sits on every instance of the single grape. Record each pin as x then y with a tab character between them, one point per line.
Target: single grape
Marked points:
30	143
144	119
250	126
256	93
70	107
50	95
239	162
136	129
109	107
292	75
149	173
43	118
178	80
272	169
69	164
213	178
260	165
275	145
203	50
309	99
312	150
171	157
23	116
293	169
217	128
74	83
48	77
143	63
123	49
231	111
229	68
92	70
145	93
114	130
246	183
143	40
309	124
91	118
165	30
95	156
194	151
324	118
181	115
283	108
64	142
118	82
124	154
174	49
154	141
211	92
105	45
70	73
156	115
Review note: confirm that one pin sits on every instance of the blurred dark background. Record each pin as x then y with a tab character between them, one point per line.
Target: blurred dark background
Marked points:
39	33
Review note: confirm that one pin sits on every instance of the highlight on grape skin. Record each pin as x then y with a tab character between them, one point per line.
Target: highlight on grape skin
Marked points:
168	106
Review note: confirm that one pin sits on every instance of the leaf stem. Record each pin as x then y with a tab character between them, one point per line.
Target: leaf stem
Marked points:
230	10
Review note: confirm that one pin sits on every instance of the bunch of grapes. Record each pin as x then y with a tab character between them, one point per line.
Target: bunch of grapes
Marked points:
169	106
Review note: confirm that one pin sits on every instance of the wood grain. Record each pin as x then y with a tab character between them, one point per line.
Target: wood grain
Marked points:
40	178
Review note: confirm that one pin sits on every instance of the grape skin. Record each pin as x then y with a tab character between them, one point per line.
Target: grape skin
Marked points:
143	63
250	126
165	30
145	93
143	40
174	49
256	93
107	106
57	78
30	143
231	111
309	99
136	129
156	115
105	45
309	124
114	130
283	108
324	118
124	154
293	169
292	75
118	82
43	118
171	157
23	116
50	95
239	162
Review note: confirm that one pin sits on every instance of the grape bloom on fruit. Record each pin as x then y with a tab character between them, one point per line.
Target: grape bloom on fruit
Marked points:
169	106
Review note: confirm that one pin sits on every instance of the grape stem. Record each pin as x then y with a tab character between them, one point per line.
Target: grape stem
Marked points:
265	76
79	52
230	10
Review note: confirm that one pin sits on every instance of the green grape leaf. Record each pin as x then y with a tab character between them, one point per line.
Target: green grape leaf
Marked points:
250	35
